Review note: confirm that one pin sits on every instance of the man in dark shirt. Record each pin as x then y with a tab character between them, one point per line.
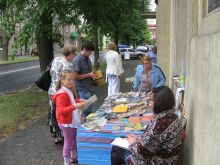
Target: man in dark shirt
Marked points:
83	74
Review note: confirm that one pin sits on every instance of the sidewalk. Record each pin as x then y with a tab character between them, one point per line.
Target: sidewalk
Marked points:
35	146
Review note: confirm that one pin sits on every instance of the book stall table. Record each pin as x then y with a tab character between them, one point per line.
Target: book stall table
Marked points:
118	116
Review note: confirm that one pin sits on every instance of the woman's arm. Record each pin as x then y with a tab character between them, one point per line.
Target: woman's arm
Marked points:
119	64
147	145
136	79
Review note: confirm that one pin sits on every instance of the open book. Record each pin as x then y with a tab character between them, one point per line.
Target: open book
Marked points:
91	100
121	142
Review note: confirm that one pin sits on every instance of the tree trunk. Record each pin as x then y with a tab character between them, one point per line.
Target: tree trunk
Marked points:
116	39
4	51
79	39
45	43
96	53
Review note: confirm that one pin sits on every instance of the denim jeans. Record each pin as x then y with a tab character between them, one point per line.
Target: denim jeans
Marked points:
85	94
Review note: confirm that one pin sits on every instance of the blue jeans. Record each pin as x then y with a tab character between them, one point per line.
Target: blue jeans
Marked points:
85	94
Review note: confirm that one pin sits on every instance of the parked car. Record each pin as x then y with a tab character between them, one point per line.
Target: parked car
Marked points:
123	46
142	49
133	53
34	52
149	47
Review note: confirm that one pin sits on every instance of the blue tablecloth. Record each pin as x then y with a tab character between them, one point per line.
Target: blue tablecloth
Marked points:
94	148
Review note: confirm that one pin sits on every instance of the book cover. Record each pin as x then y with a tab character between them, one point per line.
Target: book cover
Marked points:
113	127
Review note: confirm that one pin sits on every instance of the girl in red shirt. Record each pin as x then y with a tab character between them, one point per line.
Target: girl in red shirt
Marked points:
68	114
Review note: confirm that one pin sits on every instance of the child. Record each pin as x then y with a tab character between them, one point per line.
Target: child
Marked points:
68	115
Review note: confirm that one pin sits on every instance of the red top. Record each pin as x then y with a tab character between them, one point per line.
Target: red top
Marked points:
64	107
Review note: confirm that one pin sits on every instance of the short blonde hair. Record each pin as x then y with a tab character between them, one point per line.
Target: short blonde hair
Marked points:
145	58
69	50
111	46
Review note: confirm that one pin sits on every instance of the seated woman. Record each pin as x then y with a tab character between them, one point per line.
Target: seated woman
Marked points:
148	76
161	141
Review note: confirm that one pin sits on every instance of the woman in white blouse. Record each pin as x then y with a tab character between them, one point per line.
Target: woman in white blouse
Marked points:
114	69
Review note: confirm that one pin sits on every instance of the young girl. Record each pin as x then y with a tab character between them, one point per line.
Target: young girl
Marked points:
68	115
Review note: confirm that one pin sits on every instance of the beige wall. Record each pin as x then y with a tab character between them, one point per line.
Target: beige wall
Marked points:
186	31
164	36
202	102
203	87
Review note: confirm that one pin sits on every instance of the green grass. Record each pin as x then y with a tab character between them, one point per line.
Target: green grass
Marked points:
19	109
19	59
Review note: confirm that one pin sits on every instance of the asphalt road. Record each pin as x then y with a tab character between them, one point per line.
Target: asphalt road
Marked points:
14	77
18	76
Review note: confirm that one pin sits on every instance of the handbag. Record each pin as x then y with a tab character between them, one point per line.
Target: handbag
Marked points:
43	82
99	78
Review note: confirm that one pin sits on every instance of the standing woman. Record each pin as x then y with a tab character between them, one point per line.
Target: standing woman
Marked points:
58	65
114	69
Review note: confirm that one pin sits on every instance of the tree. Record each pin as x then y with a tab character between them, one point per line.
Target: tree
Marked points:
37	18
112	18
7	26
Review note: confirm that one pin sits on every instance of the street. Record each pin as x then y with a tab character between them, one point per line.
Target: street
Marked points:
18	76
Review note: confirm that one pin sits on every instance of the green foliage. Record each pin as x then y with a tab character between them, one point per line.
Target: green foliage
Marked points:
3	4
118	19
7	23
36	18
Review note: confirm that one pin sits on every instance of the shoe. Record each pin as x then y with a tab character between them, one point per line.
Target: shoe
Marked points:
73	161
60	139
56	141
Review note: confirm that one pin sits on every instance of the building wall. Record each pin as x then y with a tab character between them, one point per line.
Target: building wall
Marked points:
202	86
186	31
202	101
164	36
180	37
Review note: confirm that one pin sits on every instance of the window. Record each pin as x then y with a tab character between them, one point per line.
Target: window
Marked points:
213	4
122	50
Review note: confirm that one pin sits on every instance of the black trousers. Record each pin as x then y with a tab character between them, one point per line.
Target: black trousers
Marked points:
117	156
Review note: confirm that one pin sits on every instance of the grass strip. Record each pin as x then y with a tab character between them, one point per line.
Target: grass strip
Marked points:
18	109
20	59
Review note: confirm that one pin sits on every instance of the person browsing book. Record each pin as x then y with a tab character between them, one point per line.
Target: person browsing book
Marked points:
162	139
148	76
68	114
84	75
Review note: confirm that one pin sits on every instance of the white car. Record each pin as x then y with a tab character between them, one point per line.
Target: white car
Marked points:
132	53
142	49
